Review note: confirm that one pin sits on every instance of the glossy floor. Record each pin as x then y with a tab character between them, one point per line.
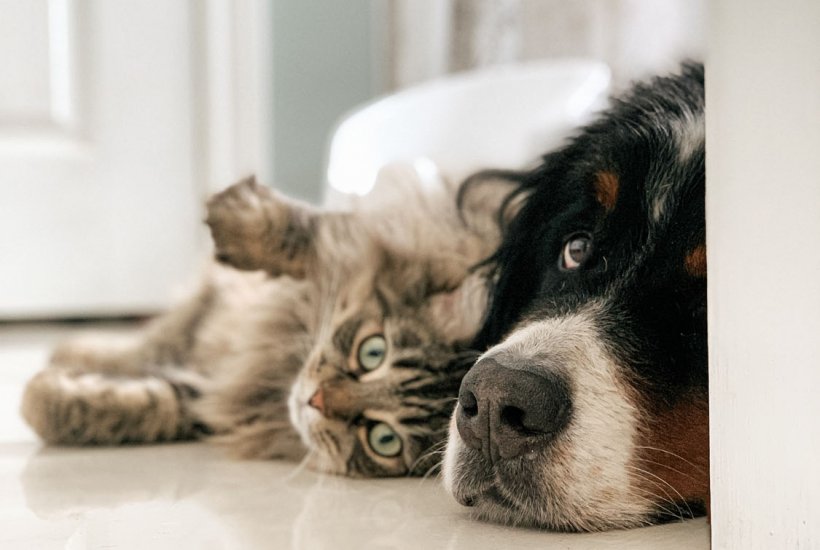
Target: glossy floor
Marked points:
191	496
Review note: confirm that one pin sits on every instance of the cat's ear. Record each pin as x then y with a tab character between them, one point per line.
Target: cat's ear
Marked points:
255	228
486	201
456	315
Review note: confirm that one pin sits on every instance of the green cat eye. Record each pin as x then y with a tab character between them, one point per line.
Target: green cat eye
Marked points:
372	351
384	440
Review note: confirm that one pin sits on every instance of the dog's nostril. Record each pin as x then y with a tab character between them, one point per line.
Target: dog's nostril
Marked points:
471	427
468	403
514	418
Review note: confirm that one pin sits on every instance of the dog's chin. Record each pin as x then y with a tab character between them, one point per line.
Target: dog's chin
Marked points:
540	490
494	507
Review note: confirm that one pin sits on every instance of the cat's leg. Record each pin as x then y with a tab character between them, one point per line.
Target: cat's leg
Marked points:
255	228
99	389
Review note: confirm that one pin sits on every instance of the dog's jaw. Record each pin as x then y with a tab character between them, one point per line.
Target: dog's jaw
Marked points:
585	480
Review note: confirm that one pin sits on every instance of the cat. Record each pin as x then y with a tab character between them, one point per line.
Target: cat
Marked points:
343	335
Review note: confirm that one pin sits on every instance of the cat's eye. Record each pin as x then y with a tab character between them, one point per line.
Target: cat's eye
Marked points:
383	440
372	351
577	249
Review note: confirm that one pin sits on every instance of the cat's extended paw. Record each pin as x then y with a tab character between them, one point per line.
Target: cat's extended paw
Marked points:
254	228
64	406
240	225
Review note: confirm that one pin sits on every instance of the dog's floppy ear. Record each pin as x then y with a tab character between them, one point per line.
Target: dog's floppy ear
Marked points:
456	315
255	228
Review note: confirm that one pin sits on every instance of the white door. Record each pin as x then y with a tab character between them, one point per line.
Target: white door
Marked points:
105	112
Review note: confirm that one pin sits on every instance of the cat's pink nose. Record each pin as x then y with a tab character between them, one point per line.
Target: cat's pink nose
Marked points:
318	401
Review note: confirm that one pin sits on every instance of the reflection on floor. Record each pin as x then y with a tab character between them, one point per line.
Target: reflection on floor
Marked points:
190	496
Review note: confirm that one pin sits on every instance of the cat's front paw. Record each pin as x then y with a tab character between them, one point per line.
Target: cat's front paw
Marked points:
255	228
240	224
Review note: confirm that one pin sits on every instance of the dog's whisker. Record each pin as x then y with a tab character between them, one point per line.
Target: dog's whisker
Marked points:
655	503
667	484
666	466
675	455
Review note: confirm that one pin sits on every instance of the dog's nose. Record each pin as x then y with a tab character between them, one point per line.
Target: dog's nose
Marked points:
506	410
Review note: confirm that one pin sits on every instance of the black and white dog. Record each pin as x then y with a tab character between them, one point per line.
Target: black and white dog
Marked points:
592	411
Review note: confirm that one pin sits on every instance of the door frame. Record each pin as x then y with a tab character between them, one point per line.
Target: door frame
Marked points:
763	222
234	50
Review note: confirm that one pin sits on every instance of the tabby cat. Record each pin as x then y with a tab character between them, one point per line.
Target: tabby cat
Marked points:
340	333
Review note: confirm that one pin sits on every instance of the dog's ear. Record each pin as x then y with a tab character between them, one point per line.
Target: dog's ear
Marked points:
255	228
456	315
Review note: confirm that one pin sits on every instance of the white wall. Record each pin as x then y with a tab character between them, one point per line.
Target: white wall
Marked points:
763	220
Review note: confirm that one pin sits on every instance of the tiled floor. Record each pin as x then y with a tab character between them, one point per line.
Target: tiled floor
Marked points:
190	496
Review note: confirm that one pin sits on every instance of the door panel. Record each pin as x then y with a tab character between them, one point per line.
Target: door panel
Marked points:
99	199
24	80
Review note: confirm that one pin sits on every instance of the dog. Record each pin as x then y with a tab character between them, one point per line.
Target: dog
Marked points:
589	410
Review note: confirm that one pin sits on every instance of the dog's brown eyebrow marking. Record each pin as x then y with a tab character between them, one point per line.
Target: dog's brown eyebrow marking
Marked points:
695	261
606	188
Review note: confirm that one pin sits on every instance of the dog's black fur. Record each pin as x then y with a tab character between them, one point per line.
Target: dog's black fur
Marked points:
633	184
665	305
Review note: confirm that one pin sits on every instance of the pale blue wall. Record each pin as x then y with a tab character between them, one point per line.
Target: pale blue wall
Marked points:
324	65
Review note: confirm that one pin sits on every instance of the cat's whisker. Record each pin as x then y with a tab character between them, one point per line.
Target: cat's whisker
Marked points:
434	467
437	449
300	466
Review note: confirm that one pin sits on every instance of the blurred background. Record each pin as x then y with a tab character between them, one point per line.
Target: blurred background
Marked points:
118	118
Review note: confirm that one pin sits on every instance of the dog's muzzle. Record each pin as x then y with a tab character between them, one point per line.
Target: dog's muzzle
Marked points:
511	410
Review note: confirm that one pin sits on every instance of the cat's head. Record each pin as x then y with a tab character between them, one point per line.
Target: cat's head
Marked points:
375	394
395	302
398	306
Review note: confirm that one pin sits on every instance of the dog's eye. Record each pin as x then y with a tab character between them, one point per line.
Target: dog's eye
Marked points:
372	351
576	251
